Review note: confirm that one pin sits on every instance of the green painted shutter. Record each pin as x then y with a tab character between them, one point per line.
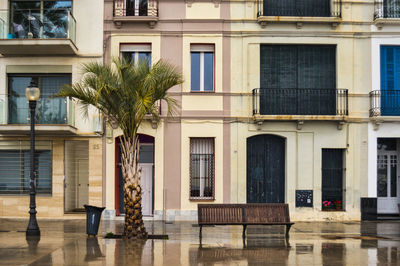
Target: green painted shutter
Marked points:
298	79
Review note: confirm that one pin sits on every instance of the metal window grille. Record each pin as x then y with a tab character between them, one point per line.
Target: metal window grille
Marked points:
202	168
333	179
15	167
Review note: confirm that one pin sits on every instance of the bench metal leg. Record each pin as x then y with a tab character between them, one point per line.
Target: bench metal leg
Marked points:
287	230
244	231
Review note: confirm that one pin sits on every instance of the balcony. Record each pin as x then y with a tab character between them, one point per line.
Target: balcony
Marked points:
300	104
54	116
144	11
386	12
25	32
299	11
384	103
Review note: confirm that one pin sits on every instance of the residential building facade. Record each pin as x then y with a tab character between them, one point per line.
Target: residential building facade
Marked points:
46	42
185	160
383	136
283	101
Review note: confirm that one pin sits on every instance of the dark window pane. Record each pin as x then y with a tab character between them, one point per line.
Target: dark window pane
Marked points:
142	7
202	168
58	4
145	56
146	154
387	144
18	110
195	71
128	56
332	179
382	175
48	110
53	110
393	176
25	4
208	71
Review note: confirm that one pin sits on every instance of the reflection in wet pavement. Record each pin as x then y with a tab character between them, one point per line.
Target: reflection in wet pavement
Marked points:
65	243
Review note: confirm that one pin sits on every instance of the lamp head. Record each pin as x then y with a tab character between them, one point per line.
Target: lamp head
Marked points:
32	92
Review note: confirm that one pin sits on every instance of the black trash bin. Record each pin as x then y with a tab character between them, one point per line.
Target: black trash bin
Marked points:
93	215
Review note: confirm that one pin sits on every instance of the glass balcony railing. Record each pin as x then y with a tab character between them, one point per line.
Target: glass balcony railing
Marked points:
37	24
49	111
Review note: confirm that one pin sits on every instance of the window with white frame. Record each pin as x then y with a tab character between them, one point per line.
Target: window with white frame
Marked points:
201	168
136	52
202	67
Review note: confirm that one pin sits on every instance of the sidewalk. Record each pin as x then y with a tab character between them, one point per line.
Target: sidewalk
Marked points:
64	242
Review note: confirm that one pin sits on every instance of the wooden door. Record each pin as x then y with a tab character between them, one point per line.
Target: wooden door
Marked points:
266	169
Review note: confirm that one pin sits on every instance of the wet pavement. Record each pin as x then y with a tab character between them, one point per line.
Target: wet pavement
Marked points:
64	242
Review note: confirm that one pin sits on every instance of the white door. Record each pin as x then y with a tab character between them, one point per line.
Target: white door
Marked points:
388	182
83	183
147	188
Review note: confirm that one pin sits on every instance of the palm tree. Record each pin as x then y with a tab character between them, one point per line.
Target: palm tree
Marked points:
125	93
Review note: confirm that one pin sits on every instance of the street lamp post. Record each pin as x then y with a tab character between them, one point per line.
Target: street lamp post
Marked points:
32	93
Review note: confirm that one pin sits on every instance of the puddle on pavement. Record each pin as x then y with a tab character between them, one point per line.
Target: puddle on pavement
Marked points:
220	246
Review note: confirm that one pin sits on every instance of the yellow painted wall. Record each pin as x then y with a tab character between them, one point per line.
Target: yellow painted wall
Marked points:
304	146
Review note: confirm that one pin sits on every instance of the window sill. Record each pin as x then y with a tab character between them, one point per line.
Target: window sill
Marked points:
333	210
202	199
201	92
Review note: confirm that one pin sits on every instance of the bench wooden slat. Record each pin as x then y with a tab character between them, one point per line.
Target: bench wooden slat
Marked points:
244	214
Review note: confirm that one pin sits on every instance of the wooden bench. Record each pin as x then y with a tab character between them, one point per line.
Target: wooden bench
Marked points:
244	214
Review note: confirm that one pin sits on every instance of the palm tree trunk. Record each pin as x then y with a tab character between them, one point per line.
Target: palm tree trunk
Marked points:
131	173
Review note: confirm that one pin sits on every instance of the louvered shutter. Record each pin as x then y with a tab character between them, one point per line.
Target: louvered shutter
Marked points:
317	70
278	66
390	80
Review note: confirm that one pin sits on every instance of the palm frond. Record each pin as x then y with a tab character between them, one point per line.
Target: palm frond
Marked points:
125	92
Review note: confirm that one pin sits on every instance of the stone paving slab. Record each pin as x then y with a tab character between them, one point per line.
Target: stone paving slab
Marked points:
64	242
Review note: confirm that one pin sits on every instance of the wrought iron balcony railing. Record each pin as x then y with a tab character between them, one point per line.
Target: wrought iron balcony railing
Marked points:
387	9
384	103
138	8
37	24
300	8
327	102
